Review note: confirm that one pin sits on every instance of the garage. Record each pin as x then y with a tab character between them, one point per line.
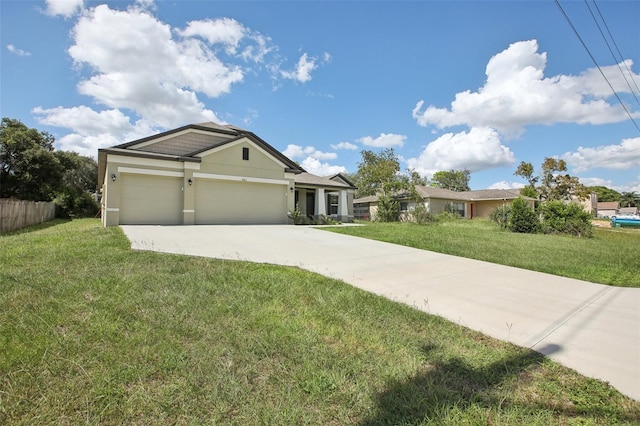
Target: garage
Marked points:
153	200
237	202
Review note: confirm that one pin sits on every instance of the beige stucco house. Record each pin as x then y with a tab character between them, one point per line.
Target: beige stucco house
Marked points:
212	174
607	209
468	204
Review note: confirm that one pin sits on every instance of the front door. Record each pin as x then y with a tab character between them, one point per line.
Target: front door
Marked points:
311	203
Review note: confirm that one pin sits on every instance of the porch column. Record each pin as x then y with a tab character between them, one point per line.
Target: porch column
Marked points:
321	203
343	207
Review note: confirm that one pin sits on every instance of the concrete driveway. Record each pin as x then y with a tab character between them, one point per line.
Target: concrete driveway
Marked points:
592	328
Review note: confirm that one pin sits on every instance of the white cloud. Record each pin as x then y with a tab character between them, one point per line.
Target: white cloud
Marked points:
625	155
312	160
66	8
517	94
11	48
305	66
302	72
316	167
478	149
503	184
385	140
92	129
139	68
595	181
345	145
297	151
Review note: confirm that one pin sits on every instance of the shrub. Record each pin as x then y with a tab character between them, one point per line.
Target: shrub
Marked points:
420	214
388	210
523	218
501	215
71	203
295	215
565	218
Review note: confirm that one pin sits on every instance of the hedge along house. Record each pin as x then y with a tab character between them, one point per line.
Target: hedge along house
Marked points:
204	174
467	204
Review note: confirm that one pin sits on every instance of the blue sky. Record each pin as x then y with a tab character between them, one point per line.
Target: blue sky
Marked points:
479	85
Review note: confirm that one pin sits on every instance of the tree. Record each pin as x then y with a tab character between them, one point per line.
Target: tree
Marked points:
526	171
455	180
415	178
378	173
553	184
629	199
79	179
79	172
605	194
29	170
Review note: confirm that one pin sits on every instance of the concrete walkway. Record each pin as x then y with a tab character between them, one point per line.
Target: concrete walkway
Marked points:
592	328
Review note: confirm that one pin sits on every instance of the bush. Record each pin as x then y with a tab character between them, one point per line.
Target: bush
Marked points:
71	203
501	216
523	218
388	209
565	218
420	215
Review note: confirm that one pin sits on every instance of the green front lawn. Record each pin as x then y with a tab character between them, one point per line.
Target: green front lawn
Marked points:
94	333
611	257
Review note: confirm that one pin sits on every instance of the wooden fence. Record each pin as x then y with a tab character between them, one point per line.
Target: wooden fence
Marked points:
16	214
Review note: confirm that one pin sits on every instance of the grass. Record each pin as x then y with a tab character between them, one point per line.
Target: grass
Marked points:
94	333
611	257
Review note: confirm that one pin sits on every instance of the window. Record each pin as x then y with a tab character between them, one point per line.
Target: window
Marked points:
455	208
404	206
245	154
333	203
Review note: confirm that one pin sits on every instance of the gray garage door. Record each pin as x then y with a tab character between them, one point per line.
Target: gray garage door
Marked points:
151	200
223	202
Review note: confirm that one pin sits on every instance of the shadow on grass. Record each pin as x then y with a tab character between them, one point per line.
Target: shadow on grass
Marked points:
452	383
38	227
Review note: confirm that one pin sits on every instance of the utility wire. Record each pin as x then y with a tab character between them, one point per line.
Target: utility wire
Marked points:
615	59
596	63
635	83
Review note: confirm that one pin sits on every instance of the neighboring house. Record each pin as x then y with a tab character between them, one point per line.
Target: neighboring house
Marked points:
608	209
627	211
468	204
590	204
212	174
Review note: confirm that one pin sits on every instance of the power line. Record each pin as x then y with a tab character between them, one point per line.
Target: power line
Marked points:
617	48
596	63
615	59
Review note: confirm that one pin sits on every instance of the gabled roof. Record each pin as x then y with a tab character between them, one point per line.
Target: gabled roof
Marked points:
309	179
343	178
187	142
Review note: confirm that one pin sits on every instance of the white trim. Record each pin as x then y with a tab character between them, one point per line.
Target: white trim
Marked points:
188	211
151	172
240	178
152	162
239	141
137	161
112	209
188	165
